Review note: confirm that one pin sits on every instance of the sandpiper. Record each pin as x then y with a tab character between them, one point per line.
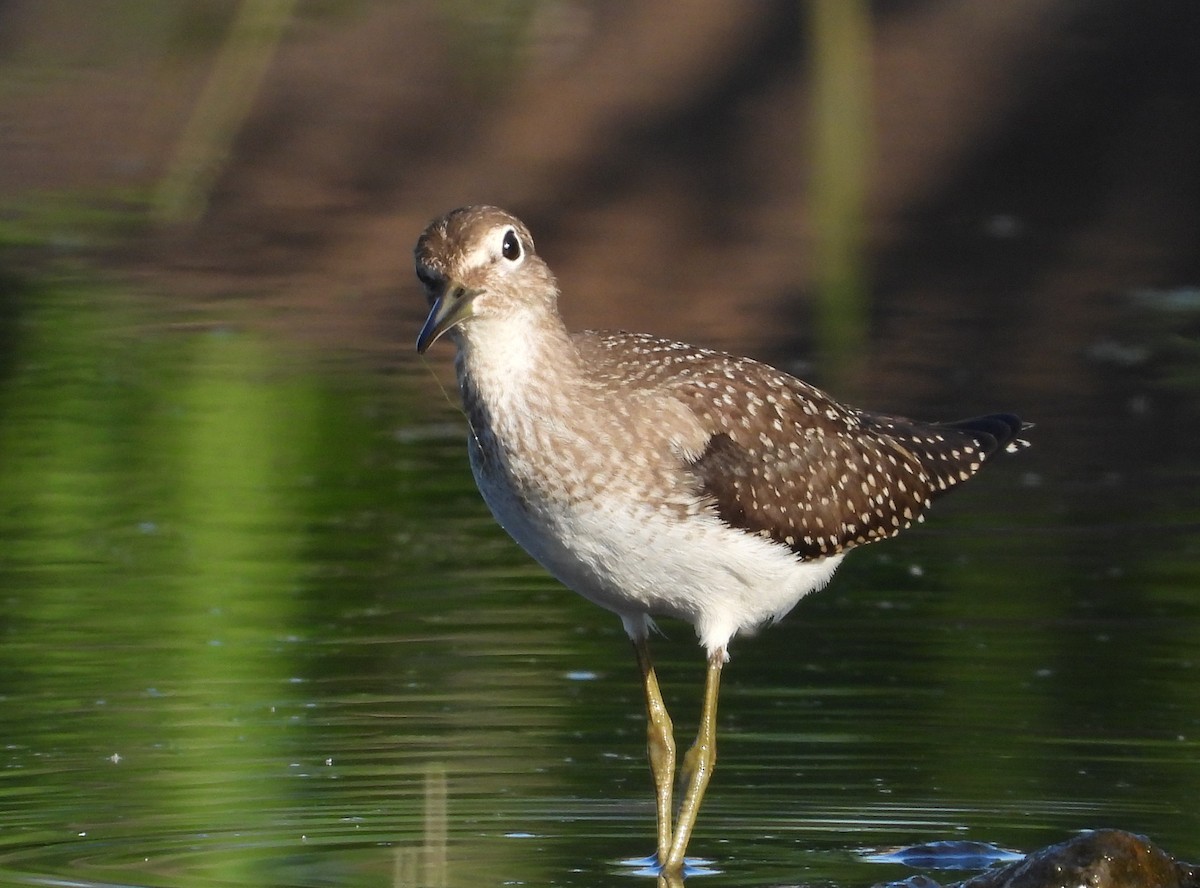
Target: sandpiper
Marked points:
656	478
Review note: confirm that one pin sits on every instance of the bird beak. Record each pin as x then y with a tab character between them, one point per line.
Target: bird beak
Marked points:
449	309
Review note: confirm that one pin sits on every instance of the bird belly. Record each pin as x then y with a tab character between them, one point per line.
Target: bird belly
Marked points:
634	559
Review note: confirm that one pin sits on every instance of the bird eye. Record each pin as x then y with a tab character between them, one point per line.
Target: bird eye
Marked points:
510	247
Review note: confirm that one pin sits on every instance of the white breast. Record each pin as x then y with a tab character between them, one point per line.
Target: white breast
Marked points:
637	560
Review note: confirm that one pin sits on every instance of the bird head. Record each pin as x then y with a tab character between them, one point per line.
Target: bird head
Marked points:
477	263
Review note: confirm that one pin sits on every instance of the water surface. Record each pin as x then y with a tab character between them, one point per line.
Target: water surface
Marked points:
257	628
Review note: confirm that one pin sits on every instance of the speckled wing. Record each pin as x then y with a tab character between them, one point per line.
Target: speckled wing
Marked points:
786	461
793	465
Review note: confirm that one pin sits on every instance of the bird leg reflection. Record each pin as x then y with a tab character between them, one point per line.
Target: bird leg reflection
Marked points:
698	765
660	747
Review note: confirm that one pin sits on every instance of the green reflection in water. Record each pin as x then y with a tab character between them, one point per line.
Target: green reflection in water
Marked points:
243	442
154	515
840	122
236	649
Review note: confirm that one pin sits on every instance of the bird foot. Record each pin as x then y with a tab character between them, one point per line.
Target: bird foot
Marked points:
651	866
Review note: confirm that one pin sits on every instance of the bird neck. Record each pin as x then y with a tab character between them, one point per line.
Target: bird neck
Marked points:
516	362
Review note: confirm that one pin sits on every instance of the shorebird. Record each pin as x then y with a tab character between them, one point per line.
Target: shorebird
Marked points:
658	479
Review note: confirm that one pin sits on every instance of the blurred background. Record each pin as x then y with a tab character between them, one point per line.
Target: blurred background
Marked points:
256	627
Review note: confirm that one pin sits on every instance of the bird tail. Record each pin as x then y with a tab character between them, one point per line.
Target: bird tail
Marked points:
994	431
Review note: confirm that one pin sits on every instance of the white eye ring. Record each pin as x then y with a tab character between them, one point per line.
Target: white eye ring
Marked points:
510	246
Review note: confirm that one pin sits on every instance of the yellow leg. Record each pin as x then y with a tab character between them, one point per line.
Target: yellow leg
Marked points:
698	765
668	879
660	747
